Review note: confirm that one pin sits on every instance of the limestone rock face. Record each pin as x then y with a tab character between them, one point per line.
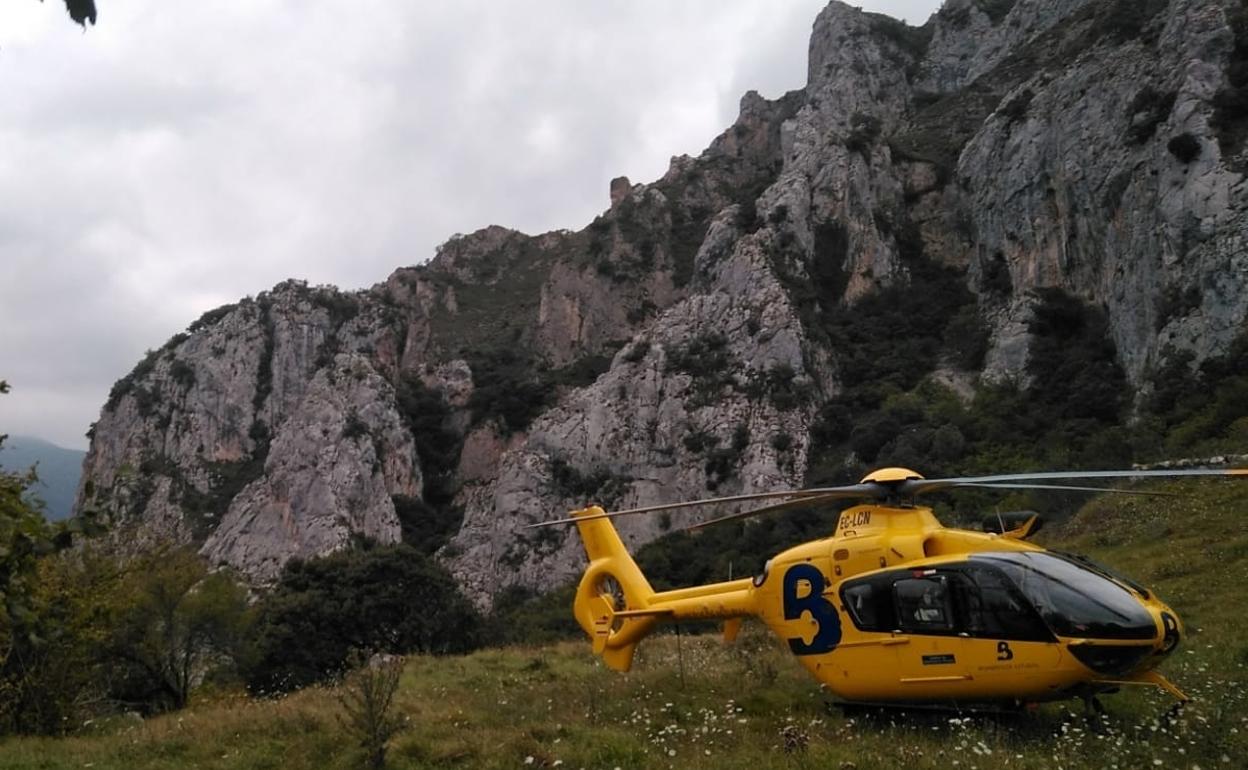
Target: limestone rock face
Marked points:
332	470
672	348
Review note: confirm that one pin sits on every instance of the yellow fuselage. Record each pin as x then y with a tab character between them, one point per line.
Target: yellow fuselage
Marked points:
799	597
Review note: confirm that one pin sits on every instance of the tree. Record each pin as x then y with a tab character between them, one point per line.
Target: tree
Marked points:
29	625
384	599
178	625
24	535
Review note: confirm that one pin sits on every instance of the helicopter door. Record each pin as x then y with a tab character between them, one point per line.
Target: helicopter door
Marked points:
1008	648
971	635
936	656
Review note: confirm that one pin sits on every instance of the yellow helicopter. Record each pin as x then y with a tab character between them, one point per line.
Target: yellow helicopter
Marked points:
894	608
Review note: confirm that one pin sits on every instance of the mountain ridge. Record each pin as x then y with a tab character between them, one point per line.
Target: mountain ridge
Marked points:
697	335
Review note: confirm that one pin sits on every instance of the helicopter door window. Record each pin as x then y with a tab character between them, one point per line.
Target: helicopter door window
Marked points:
923	604
869	602
861	603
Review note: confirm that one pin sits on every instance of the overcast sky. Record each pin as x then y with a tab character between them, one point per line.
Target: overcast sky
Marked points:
182	155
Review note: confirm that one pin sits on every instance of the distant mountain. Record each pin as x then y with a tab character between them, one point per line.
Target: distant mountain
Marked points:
59	470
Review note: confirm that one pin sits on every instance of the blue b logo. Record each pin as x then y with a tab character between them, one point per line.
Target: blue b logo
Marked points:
827	622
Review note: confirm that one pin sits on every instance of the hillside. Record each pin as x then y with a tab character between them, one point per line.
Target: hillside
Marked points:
733	706
59	471
1011	238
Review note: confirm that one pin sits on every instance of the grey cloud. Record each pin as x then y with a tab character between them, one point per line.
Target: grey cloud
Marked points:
166	162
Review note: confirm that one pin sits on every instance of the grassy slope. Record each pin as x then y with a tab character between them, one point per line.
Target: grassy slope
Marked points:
560	707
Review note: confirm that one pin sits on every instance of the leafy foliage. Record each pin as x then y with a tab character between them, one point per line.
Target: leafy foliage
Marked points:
26	622
505	388
1125	20
429	521
1073	363
1070	413
864	129
708	360
1185	147
1198	410
1148	109
179	624
108	634
389	599
996	10
522	616
1015	110
597	485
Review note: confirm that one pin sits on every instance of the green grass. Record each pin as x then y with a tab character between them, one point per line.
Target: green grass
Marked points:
695	702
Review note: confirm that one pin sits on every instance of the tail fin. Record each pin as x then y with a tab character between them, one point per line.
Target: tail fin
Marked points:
613	600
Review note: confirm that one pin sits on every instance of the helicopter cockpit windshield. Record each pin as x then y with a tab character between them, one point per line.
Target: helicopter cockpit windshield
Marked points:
1072	599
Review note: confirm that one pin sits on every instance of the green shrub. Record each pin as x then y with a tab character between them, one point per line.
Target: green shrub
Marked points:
598	485
996	10
1176	302
367	701
966	337
708	361
1148	109
389	599
1125	20
722	463
1015	110
507	389
354	427
638	351
1073	362
182	373
699	441
864	129
424	526
522	616
1185	147
211	317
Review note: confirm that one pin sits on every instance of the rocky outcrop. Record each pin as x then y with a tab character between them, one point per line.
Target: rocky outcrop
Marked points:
677	345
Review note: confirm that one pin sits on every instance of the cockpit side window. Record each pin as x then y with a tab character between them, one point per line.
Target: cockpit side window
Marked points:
923	604
1073	599
989	606
976	600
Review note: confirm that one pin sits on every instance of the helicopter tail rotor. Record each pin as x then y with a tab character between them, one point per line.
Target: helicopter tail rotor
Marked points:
613	599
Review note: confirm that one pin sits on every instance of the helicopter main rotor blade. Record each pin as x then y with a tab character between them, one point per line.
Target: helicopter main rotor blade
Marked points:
919	486
804	502
848	491
910	488
1110	490
851	490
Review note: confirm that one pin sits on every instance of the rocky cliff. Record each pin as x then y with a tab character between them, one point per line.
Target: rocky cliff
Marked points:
679	343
